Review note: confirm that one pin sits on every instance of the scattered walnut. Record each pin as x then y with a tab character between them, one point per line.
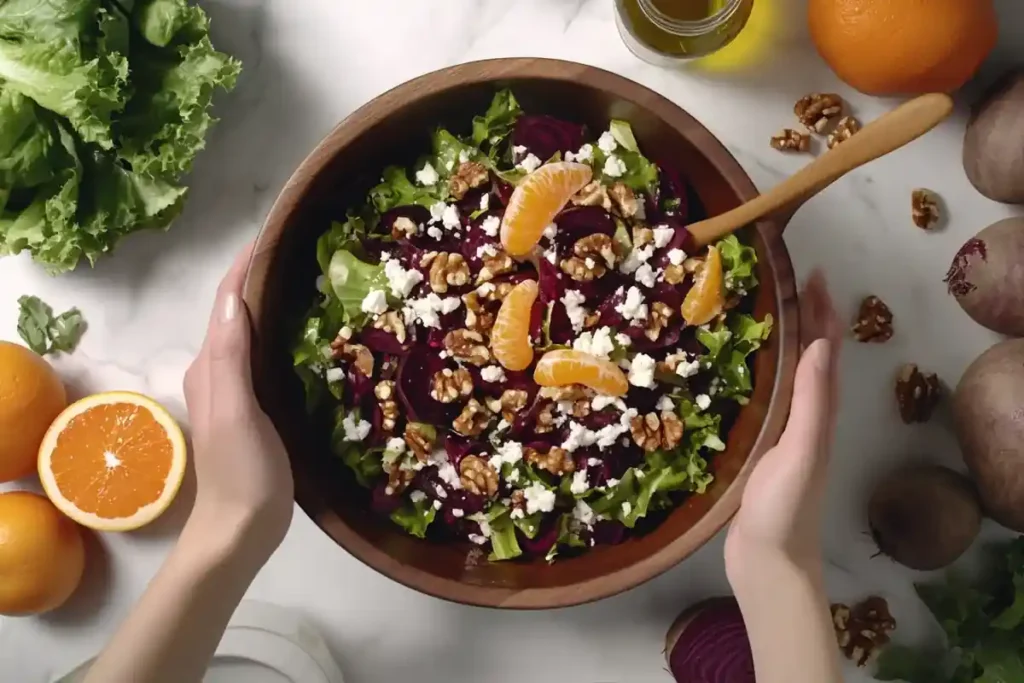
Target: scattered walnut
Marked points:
399	480
557	461
473	419
577	395
817	109
467	346
478	318
512	401
917	393
925	208
692	264
545	421
582	270
403	227
393	323
385	393
642	236
361	357
674	274
845	129
419	438
873	322
599	247
448	386
495	264
447	270
671	361
624	200
478	476
469	175
495	292
661	313
517	501
863	630
651	432
789	140
594	194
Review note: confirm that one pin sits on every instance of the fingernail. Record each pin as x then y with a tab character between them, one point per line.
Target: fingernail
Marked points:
229	308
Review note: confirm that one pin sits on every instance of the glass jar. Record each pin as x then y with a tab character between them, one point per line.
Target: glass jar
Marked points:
668	32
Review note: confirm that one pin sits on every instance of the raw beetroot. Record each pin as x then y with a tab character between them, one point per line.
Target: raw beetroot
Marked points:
987	277
708	644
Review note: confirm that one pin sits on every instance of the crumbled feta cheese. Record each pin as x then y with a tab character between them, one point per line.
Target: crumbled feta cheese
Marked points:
530	164
606	436
437	211
519	150
417	496
485	250
450	217
458	512
688	368
395	445
614	167
593	462
665	403
449	304
579	436
385	256
590	263
597	343
486	289
607	142
335	375
703	401
517	513
626	507
493	373
583	513
375	302
579	485
586	153
512	477
633	308
639	474
400	280
463	156
491	225
427	175
477	538
600	402
355	430
550	231
424	310
438	505
676	256
623	340
434	232
485	202
509	453
449	475
663	235
641	371
636	258
573	301
551	256
538	498
611	483
646	275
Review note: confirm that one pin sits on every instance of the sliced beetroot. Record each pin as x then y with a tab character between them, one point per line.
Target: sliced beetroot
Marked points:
457	447
414	376
537	315
681	239
382	503
560	328
671	186
544	136
609	532
551	281
708	643
470	247
430	483
606	310
469	503
502	191
382	342
546	537
357	387
577	222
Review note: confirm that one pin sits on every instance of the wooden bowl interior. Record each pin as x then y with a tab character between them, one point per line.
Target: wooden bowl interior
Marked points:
394	129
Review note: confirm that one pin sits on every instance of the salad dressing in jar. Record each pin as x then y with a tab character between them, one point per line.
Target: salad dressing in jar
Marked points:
668	32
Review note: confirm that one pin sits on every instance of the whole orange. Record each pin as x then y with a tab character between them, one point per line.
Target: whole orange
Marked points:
31	397
42	555
886	47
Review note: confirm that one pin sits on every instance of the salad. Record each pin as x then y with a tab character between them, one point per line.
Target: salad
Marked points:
518	343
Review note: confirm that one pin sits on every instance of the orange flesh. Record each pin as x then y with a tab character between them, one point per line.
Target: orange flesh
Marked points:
564	367
537	200
510	335
112	460
706	299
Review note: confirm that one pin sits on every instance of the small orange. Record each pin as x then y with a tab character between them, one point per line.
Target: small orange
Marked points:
888	47
564	367
706	298
510	335
536	201
113	462
42	555
31	395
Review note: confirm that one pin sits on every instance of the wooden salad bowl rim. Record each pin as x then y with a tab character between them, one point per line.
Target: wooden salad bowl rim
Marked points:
771	247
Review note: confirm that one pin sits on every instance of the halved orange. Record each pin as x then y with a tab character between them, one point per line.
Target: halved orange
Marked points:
567	366
706	298
536	201
113	461
510	335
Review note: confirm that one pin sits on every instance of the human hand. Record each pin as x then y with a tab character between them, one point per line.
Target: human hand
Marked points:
243	479
781	509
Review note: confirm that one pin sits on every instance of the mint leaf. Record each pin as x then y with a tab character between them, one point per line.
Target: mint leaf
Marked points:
45	333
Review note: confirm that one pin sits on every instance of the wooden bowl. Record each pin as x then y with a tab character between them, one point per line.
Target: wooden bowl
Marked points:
394	128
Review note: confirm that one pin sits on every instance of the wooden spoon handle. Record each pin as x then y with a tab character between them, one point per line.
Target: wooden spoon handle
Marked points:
886	134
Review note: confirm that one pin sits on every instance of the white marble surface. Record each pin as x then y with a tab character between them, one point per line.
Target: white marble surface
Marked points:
308	65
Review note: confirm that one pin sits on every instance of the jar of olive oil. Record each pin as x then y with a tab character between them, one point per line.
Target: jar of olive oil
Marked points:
667	32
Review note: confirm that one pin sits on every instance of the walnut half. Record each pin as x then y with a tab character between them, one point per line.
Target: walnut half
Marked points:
873	322
557	461
467	346
446	270
789	140
917	394
924	208
652	432
844	130
469	175
817	109
448	386
864	629
385	393
473	419
477	476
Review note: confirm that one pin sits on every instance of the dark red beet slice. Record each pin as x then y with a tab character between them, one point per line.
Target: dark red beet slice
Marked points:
577	222
708	643
551	281
381	502
544	136
546	537
414	376
382	342
609	532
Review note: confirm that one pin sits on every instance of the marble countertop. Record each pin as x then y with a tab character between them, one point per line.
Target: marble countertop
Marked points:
307	66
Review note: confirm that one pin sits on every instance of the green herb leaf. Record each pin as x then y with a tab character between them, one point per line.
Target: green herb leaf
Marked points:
504	545
739	262
351	280
623	134
415	517
395	189
45	333
499	120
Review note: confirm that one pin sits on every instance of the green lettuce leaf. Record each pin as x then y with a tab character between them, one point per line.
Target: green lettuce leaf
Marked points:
365	463
351	280
739	262
641	173
415	517
448	150
45	332
728	345
395	189
347	235
497	123
504	545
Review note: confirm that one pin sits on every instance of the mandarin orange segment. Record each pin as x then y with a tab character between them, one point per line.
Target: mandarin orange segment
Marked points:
537	200
706	299
510	335
564	367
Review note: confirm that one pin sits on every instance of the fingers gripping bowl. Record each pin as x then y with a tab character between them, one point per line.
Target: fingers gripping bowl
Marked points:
396	129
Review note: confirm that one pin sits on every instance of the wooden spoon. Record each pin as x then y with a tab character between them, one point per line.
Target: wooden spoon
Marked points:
899	127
